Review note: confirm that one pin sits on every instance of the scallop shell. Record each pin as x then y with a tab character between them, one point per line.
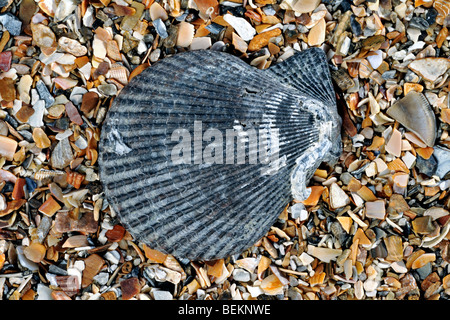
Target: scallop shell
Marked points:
204	207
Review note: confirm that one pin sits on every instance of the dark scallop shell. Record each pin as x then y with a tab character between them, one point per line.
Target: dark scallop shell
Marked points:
204	207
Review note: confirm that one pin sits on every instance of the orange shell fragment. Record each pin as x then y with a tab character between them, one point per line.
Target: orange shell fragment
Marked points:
425	152
313	199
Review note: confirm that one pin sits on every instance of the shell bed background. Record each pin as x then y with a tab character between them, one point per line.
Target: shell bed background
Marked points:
376	223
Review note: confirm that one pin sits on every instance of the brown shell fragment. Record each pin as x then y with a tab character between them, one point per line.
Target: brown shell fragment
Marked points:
119	73
35	252
49	207
40	138
89	102
60	295
24	113
12	206
316	35
73	113
7	89
93	265
157	12
130	287
113	51
75	179
208	7
86	223
415	113
115	234
154	255
18	192
121	11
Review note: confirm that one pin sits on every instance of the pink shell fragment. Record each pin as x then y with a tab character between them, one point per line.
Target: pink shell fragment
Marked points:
5	60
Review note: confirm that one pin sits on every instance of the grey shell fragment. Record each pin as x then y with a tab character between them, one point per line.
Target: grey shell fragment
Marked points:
201	209
11	23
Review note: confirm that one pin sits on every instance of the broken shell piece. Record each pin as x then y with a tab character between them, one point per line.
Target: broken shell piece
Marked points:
346	223
23	88
8	147
160	28
423	260
207	8
375	209
262	39
158	12
113	51
35	252
305	6
442	156
323	254
48	6
423	225
72	46
394	247
200	43
40	138
65	83
430	68
120	73
243	28
414	112
316	35
436	212
314	196
443	9
99	47
238	43
338	198
44	38
185	34
64	9
394	144
49	207
76	241
271	285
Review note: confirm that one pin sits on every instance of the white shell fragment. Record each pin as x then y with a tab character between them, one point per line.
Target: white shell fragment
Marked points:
323	254
241	26
430	68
